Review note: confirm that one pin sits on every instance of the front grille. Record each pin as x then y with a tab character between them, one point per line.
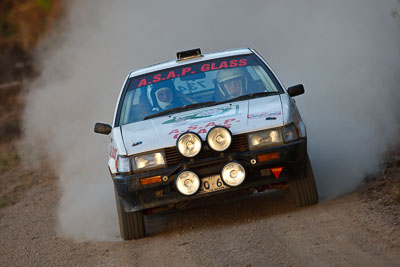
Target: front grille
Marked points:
239	144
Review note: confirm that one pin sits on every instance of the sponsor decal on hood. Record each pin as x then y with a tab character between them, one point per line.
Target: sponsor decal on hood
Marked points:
225	111
240	117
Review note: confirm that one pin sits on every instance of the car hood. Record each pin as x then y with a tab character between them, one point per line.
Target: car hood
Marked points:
240	117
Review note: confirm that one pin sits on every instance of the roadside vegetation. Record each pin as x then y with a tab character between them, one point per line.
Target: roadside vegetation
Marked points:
382	192
22	24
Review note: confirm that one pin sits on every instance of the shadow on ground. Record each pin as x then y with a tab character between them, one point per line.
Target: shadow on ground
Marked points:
229	209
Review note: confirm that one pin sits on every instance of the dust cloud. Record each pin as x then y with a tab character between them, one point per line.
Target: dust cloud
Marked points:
346	53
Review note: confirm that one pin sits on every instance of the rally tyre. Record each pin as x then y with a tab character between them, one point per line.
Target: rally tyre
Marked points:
131	224
303	189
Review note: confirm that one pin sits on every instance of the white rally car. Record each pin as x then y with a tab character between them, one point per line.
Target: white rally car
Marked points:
203	125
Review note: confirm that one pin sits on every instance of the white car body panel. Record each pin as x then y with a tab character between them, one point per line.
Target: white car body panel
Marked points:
292	114
116	148
240	117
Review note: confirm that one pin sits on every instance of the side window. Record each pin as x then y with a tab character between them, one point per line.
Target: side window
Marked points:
261	78
253	75
131	102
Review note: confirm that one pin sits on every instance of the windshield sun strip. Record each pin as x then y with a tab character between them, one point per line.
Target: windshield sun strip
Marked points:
251	60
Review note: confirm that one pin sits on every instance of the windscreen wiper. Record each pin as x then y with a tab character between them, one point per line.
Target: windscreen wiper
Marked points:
248	96
182	108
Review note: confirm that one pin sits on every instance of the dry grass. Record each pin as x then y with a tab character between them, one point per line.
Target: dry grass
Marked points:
382	192
23	22
8	158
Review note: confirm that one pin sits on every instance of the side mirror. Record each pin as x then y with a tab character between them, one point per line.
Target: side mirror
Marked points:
296	90
102	128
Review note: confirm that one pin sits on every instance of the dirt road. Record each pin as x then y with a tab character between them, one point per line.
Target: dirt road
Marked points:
257	230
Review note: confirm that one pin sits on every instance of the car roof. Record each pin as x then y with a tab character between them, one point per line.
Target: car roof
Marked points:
203	57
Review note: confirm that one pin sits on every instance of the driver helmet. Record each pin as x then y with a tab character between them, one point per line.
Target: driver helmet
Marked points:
161	95
232	82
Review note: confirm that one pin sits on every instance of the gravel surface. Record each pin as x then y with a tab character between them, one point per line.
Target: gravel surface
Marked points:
257	230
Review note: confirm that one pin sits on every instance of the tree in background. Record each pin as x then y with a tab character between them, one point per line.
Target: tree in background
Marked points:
22	22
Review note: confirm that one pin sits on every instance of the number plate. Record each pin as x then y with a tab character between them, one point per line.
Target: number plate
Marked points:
211	184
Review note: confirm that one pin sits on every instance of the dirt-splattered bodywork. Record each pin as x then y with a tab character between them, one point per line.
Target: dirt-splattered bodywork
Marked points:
162	156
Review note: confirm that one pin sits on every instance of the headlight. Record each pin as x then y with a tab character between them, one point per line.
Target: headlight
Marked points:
189	144
219	138
149	161
124	164
265	138
233	174
187	182
290	133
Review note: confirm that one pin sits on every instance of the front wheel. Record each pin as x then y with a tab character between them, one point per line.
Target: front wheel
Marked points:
303	189
131	224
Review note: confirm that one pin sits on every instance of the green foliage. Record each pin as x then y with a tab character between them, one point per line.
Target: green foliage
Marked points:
45	4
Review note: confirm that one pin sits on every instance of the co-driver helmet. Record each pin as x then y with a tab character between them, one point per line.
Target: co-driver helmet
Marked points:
226	75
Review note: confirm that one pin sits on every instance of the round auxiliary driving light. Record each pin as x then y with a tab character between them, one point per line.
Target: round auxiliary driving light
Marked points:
233	174
189	144
188	183
219	138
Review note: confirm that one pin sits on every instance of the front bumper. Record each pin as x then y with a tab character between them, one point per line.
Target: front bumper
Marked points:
133	196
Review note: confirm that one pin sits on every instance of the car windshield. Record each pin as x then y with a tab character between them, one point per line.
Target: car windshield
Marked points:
186	87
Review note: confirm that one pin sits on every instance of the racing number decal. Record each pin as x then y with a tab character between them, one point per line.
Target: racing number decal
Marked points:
191	86
206	184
